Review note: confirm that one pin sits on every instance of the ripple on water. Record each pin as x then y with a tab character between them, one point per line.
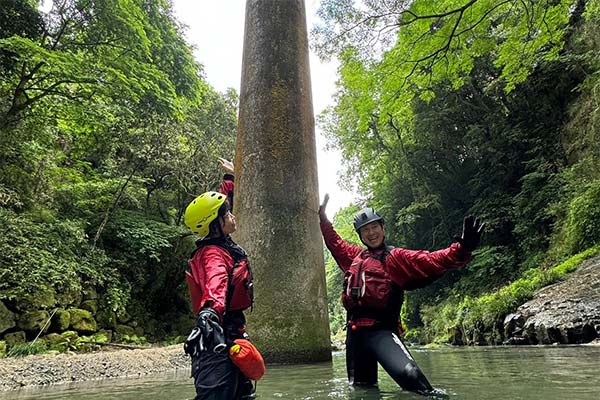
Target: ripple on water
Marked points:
458	373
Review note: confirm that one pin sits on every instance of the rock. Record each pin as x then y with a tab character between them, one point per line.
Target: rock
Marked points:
572	315
71	298
33	321
7	318
15	338
513	325
2	348
54	338
61	321
42	299
82	321
124	332
106	319
90	305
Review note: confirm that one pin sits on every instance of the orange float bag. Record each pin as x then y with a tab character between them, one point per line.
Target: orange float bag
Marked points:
247	358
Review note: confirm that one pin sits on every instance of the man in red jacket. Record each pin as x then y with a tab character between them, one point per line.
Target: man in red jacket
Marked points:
375	278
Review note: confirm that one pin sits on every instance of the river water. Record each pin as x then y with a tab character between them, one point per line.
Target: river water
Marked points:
570	372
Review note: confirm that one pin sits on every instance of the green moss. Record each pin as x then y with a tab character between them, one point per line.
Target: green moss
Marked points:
476	318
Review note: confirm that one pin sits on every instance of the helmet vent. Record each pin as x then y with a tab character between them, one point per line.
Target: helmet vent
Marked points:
199	226
212	194
219	198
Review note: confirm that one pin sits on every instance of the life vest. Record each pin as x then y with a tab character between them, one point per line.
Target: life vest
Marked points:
240	288
369	294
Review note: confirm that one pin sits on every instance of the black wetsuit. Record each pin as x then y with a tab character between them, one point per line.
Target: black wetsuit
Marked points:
367	346
215	375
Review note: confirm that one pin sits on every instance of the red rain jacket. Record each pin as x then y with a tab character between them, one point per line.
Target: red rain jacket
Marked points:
211	265
408	269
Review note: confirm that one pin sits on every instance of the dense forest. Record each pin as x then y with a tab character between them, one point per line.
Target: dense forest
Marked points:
450	108
108	129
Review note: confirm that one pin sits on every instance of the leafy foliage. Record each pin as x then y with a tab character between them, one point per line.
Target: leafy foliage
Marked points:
107	131
453	108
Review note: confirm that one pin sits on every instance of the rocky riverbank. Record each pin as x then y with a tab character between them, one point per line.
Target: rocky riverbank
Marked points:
47	369
567	312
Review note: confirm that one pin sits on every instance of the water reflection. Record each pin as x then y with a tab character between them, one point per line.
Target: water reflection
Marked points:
463	373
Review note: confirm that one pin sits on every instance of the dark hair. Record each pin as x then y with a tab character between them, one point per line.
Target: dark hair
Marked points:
214	228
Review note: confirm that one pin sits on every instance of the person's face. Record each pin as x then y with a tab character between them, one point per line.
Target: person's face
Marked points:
228	225
372	234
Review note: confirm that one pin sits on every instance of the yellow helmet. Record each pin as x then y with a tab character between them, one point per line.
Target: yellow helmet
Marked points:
203	210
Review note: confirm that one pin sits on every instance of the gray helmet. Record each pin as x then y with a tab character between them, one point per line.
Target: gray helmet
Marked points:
366	216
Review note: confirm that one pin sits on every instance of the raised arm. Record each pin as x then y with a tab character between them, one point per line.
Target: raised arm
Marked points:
412	269
342	251
227	185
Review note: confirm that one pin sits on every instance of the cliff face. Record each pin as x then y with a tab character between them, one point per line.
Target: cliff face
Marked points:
567	312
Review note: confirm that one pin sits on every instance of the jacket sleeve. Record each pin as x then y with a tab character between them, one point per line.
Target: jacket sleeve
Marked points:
412	269
209	266
227	188
342	251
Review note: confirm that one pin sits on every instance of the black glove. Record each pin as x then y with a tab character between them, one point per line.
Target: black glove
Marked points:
211	332
471	233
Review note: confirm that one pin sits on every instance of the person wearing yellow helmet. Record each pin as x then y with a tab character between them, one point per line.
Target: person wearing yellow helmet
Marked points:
221	288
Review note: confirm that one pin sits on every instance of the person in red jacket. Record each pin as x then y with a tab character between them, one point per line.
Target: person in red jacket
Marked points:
375	279
221	289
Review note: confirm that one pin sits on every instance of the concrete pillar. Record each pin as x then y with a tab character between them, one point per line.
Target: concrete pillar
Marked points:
277	196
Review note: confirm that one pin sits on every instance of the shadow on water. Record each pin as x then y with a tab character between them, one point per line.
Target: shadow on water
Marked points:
458	373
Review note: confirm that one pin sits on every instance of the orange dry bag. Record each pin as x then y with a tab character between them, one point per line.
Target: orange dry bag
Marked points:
247	358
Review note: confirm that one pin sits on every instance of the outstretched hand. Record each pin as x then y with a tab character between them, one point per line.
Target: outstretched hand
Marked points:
226	165
471	233
322	207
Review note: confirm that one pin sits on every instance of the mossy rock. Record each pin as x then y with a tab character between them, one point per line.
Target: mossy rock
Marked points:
82	321
90	305
139	331
56	342
61	321
54	339
14	338
7	318
42	299
124	330
106	319
2	348
33	321
69	299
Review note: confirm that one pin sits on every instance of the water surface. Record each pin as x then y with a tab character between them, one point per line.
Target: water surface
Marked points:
570	372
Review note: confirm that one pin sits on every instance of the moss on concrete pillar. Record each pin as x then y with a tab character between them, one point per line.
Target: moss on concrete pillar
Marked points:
277	193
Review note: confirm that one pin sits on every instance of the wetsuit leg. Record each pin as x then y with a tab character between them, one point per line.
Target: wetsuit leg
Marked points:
216	377
361	364
395	358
